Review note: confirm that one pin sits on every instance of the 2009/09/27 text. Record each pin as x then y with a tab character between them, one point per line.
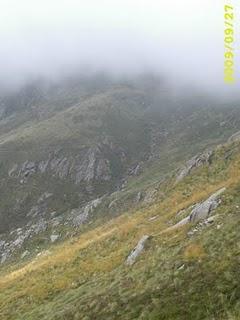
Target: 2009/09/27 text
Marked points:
228	44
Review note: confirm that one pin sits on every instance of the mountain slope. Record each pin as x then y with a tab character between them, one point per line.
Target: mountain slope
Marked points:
185	272
64	145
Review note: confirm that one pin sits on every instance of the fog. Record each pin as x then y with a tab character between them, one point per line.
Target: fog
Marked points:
182	40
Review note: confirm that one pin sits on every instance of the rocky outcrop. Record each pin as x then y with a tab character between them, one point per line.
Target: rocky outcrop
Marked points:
18	237
135	170
203	210
137	250
203	224
90	165
93	166
150	195
193	163
41	223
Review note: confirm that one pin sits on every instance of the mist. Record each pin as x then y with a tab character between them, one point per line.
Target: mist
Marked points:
180	40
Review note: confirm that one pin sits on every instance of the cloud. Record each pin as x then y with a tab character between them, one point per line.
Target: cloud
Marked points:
181	39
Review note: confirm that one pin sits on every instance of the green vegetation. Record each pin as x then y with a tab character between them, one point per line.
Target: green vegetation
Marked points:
177	277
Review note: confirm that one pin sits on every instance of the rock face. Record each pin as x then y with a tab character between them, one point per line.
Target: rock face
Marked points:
193	163
137	250
18	238
90	165
93	166
203	210
40	224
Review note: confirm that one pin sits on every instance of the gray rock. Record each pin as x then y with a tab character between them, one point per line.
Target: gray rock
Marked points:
103	170
203	210
193	163
150	196
135	170
234	137
182	222
12	170
54	237
42	166
81	215
139	196
27	168
137	250
153	218
44	197
39	227
112	204
86	168
56	221
38	210
4	257
43	253
25	254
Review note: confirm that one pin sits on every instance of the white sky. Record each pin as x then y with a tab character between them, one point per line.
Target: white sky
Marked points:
183	38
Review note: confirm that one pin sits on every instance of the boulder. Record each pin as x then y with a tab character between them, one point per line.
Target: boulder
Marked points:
203	210
137	250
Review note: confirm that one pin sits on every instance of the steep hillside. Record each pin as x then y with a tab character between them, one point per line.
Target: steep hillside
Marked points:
82	151
185	266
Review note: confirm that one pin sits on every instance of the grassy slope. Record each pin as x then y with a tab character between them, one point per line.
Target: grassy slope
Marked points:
85	278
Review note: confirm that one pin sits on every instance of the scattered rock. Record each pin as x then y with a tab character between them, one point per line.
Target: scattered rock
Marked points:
44	253
150	196
80	215
44	197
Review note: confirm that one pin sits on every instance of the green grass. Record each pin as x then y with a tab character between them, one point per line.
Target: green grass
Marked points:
176	278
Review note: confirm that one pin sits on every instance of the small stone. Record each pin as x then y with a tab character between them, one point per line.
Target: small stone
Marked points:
153	218
25	253
210	220
181	267
54	237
